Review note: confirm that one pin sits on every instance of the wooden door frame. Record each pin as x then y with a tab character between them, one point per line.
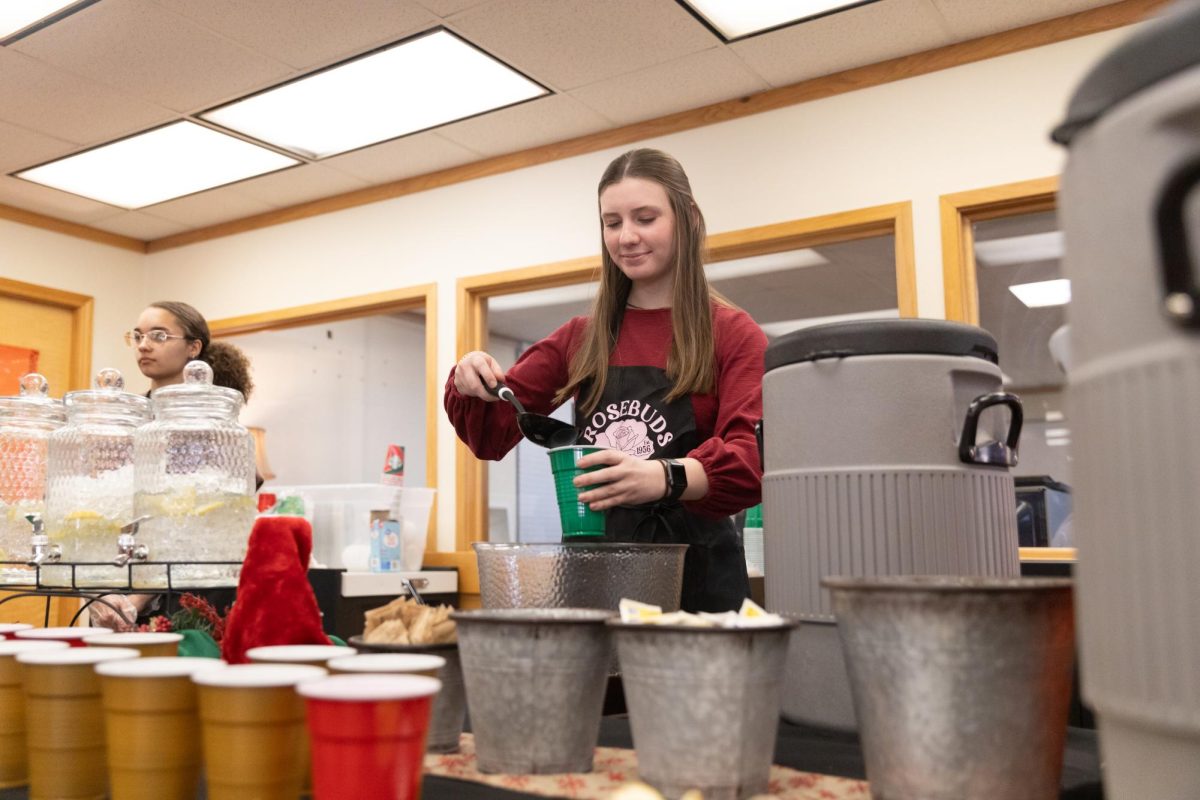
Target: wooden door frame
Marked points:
959	212
81	307
894	219
423	296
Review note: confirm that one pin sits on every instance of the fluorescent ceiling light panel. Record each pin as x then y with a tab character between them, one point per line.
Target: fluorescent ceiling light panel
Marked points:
17	15
735	19
1020	249
763	265
1043	293
418	84
177	159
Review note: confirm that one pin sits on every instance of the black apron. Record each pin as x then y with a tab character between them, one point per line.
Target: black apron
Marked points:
633	416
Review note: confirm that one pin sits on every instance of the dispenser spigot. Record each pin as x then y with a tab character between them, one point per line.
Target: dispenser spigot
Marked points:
127	547
42	552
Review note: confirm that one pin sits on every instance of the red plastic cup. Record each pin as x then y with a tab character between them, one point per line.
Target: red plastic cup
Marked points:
8	630
368	734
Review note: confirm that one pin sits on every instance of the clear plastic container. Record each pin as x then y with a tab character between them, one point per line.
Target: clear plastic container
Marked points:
26	422
89	479
194	480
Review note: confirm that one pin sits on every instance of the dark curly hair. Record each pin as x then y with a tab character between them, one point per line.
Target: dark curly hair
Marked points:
230	365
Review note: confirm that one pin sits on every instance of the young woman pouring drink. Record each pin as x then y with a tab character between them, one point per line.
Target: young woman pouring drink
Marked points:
664	372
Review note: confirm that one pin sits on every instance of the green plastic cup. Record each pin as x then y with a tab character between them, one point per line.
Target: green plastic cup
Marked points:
578	520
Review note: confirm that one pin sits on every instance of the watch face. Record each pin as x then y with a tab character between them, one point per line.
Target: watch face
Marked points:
679	480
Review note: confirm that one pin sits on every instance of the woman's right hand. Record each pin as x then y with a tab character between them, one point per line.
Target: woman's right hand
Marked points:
476	371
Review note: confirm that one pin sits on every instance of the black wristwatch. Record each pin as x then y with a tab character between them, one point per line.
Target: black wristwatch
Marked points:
676	478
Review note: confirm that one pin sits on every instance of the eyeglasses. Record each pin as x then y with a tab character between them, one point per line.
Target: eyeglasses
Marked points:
134	338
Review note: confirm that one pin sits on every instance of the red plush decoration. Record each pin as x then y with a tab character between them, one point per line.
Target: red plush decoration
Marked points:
275	603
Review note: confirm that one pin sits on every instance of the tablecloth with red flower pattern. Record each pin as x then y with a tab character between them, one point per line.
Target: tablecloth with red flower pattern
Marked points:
614	767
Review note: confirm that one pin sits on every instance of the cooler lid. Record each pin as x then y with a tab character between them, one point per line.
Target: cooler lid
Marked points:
881	337
1164	47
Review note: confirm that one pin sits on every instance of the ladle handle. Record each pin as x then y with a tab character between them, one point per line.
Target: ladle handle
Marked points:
506	394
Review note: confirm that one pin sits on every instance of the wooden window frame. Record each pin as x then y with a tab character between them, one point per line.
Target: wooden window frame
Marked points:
959	212
894	219
423	296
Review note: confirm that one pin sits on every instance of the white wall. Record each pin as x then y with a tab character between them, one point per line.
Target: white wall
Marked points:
332	398
113	277
972	126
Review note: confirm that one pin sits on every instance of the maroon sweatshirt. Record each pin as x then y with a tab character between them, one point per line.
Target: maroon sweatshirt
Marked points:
725	419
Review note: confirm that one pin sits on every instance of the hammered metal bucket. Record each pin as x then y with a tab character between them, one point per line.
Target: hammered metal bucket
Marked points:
535	682
961	684
703	705
579	575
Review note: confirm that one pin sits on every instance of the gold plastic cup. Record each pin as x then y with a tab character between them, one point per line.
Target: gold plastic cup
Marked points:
151	715
150	645
389	664
314	655
253	726
64	721
14	761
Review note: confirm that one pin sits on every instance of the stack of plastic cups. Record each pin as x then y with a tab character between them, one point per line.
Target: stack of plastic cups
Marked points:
72	636
151	717
368	734
150	645
579	521
64	721
14	761
253	728
8	630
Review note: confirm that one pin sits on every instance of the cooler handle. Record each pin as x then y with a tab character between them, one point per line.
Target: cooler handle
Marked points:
991	453
1181	299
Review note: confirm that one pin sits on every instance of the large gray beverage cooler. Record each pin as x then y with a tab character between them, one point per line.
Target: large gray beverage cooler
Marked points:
1130	209
887	448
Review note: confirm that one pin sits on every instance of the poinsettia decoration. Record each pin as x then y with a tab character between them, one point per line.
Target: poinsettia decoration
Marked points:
195	613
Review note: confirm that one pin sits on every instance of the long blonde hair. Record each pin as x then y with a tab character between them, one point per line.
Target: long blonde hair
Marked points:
690	363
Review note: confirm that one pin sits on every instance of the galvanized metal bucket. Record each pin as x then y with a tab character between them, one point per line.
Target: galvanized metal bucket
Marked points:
703	705
579	575
960	684
535	682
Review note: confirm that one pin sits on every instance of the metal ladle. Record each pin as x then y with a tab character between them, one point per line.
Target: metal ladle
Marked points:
537	428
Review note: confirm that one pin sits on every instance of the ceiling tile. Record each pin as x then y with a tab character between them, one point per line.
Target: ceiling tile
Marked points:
444	8
863	35
289	187
402	158
209	208
44	200
689	82
140	225
21	148
966	21
571	43
537	122
307	33
147	50
82	111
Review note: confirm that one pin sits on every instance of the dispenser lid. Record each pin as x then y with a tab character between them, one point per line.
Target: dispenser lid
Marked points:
881	337
1163	47
34	400
108	392
197	382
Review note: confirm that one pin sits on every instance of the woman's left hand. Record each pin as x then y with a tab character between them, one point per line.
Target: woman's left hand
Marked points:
628	481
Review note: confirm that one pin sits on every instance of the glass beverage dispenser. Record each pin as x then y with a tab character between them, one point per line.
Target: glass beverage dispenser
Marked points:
194	482
26	422
89	480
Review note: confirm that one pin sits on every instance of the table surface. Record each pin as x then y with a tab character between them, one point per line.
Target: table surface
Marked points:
807	749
